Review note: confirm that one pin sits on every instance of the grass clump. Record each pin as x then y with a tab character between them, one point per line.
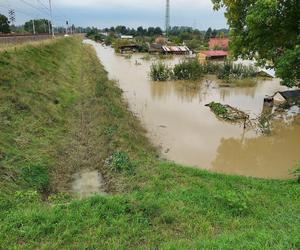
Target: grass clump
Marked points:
187	70
119	161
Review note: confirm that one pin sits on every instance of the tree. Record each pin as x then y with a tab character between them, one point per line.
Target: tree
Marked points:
4	24
208	34
268	31
41	26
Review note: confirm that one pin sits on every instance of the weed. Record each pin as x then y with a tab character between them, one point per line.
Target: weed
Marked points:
296	173
237	203
119	161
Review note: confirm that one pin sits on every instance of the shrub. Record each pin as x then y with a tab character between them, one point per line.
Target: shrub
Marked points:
229	70
187	70
160	72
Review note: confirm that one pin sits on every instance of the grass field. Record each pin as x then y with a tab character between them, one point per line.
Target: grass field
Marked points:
59	113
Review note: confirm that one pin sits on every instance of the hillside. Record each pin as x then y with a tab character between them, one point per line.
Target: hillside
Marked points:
59	114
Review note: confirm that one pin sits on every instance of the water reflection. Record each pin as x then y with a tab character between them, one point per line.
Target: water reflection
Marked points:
263	156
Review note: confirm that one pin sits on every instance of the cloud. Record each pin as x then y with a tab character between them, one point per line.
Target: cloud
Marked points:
136	4
104	13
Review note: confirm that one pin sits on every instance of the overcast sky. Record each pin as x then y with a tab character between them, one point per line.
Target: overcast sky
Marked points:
105	13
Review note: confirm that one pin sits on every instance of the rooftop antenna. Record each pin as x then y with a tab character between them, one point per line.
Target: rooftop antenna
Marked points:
167	17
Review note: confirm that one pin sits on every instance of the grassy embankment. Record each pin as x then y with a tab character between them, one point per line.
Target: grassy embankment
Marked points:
59	114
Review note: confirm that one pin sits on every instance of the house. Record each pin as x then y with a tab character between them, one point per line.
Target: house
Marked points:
177	50
290	96
156	48
218	43
212	55
129	48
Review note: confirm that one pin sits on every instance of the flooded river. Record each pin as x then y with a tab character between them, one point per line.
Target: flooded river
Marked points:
188	133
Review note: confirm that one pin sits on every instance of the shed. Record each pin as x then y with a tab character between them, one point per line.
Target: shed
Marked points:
290	96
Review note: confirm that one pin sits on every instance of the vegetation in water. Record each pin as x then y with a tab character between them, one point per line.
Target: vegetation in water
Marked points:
187	70
193	70
160	72
60	113
230	71
219	109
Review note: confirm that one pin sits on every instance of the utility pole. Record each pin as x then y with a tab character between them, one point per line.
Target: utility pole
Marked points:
33	26
50	9
167	17
49	27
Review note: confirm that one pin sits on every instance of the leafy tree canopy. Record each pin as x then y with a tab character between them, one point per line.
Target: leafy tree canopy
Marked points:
4	24
41	26
267	30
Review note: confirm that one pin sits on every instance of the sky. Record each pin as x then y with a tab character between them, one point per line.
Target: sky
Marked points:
106	13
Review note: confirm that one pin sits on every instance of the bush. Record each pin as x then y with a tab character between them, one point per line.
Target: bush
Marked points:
229	70
187	70
160	72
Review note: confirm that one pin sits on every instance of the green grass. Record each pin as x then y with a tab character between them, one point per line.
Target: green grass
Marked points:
57	105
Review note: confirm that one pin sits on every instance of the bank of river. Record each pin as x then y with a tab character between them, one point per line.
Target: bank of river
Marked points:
188	133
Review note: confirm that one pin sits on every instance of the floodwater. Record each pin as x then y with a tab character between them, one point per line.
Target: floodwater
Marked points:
188	133
87	183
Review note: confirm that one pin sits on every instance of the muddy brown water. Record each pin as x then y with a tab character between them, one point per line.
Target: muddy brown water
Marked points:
188	133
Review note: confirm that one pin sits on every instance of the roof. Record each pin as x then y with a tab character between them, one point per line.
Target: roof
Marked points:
218	42
214	53
175	48
290	94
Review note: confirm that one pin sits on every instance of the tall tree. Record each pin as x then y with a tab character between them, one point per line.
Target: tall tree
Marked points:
267	30
4	24
208	34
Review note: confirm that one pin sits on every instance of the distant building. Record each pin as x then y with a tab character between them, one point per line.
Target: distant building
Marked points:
177	50
218	43
129	48
212	55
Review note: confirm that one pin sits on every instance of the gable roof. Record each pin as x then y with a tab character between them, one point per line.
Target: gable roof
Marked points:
214	53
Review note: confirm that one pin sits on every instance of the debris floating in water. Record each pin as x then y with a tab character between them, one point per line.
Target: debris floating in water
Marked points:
227	112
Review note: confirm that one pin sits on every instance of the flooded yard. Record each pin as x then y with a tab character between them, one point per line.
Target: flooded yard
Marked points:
188	133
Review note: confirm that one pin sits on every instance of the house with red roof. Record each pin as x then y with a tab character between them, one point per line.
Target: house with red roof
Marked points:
212	55
218	43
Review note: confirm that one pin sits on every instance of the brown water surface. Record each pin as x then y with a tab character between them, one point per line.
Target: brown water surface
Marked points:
188	133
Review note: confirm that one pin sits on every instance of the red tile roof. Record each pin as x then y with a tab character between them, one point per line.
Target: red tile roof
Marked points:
218	42
214	53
